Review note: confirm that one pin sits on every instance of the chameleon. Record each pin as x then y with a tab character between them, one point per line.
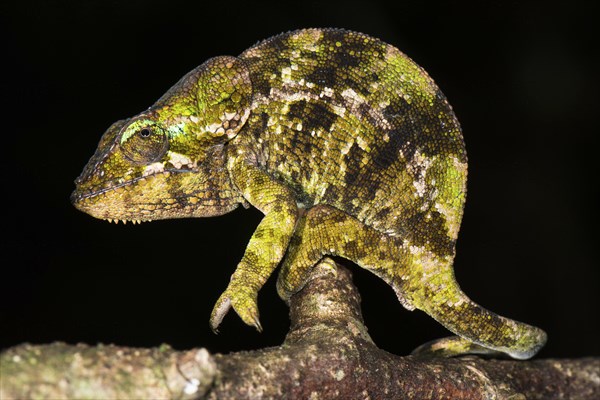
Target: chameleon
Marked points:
347	147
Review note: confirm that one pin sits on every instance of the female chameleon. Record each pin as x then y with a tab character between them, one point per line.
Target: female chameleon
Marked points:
344	143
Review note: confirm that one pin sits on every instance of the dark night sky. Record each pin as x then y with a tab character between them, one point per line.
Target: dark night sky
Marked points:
523	81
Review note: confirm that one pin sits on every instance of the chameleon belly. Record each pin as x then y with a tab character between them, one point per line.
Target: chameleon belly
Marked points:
344	143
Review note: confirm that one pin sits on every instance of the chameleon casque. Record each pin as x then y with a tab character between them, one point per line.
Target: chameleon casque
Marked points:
344	143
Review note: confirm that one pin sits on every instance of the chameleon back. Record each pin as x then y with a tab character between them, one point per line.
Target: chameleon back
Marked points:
349	121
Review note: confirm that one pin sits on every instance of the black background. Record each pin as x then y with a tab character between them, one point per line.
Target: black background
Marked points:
522	78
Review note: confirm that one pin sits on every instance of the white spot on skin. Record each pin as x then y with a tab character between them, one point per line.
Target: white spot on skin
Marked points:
229	116
339	110
355	100
322	191
326	92
457	303
346	148
352	96
179	160
286	75
420	187
416	250
462	167
418	168
154	168
450	217
362	143
212	128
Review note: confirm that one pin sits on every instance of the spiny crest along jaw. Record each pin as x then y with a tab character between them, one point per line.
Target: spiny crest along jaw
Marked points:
124	221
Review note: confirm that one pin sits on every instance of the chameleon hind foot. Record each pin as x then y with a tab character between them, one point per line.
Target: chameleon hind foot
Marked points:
453	346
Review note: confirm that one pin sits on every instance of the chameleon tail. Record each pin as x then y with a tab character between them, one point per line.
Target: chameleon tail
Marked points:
443	300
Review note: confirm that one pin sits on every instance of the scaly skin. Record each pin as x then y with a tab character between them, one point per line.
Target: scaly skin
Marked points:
344	143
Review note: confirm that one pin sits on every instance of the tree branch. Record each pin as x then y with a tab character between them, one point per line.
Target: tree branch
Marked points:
327	354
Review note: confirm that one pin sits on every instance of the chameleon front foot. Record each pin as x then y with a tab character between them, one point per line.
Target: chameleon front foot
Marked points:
243	302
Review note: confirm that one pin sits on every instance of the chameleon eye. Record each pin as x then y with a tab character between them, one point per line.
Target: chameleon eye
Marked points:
146	145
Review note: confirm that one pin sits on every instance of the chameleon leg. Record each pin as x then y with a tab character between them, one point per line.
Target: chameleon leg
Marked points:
420	279
324	230
266	247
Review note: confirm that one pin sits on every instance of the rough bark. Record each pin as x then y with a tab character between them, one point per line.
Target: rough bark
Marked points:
327	354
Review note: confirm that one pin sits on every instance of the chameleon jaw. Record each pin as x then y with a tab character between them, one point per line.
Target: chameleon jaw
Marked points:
165	194
123	202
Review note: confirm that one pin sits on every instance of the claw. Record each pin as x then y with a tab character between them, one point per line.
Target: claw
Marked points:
247	311
219	311
257	325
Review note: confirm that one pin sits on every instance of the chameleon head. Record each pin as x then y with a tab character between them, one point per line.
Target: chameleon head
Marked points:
169	161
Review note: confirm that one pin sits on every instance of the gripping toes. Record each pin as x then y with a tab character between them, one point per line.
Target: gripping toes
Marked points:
243	301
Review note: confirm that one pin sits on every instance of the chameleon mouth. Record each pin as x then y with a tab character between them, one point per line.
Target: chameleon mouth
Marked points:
79	196
161	195
110	203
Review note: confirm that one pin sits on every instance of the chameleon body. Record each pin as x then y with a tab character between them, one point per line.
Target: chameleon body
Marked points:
344	143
